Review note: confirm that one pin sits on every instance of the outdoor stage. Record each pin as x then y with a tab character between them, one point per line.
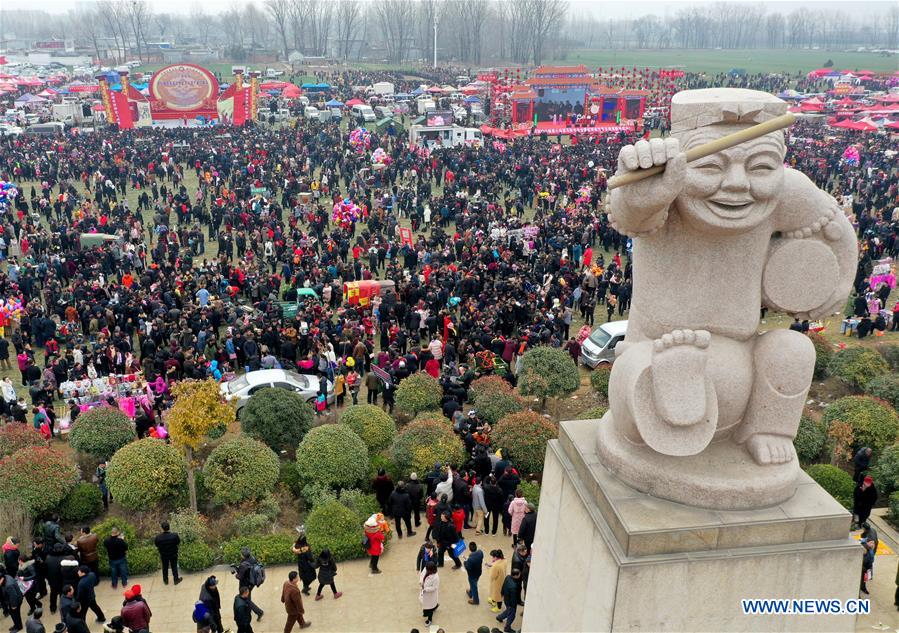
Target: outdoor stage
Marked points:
555	129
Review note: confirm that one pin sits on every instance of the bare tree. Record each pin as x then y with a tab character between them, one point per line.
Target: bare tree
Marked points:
279	10
138	13
348	13
393	19
545	17
201	21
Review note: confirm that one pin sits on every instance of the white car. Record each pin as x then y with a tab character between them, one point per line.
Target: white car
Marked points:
243	387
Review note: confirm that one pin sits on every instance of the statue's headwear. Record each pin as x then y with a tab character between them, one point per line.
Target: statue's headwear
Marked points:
693	109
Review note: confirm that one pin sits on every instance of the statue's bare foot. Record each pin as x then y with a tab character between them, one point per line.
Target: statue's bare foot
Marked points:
678	376
770	449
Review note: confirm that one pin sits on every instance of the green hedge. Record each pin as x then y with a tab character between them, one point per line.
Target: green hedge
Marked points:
890	353
143	559
525	434
893	514
885	387
278	417
418	392
146	473
599	380
83	503
289	477
824	352
17	436
240	468
885	470
37	477
190	526
857	366
101	431
253	523
103	530
423	443
493	407
874	422
835	481
332	455
810	439
531	491
269	549
374	425
195	556
593	413
489	385
548	372
333	525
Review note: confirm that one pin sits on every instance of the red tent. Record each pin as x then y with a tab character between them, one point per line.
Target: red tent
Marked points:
354	102
890	98
98	107
435	90
274	85
893	125
291	92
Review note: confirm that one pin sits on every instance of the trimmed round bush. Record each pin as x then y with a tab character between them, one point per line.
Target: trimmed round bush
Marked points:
885	387
374	425
333	456
531	491
189	525
548	372
810	439
433	416
240	468
423	443
145	473
835	481
418	392
195	556
824	352
890	353
17	436
885	470
254	523
83	503
37	477
333	525
278	417
489	385
493	407
525	434
593	413
142	559
857	366
599	380
269	549
379	461
101	431
893	515
874	422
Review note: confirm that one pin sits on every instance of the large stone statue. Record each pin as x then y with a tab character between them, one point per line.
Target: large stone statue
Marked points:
703	409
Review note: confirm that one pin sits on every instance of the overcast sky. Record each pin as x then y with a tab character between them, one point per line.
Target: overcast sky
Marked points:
616	9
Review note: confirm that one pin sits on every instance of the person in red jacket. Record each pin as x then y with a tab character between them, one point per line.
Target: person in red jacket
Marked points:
375	542
136	613
458	518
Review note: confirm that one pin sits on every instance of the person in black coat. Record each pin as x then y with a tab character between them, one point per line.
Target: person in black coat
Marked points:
400	505
474	566
508	482
446	536
74	619
327	570
167	543
243	611
510	599
528	526
861	461
85	593
305	561
12	600
209	596
493	498
864	498
416	492
66	601
382	485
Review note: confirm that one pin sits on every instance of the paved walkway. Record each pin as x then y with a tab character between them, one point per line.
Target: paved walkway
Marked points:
387	602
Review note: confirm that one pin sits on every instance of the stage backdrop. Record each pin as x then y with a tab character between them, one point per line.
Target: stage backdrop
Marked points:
183	91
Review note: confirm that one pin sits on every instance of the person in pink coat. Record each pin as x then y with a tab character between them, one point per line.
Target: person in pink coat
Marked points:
517	508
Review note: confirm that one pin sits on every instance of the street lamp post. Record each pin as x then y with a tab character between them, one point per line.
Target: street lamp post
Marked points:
435	40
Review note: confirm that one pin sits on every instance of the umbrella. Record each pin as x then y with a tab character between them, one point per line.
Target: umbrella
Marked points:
291	92
334	103
355	102
49	92
435	89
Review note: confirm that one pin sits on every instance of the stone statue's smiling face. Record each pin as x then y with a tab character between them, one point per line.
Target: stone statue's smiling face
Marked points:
735	189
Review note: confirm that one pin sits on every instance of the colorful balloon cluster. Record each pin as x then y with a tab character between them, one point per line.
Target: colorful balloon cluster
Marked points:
499	146
8	193
360	139
583	195
851	155
345	213
11	309
379	158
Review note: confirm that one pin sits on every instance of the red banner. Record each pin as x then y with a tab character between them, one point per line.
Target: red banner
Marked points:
406	236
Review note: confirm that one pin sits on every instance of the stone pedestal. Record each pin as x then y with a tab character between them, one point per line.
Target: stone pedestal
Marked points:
610	558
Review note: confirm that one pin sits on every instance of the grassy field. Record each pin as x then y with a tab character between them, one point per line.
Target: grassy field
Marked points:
715	61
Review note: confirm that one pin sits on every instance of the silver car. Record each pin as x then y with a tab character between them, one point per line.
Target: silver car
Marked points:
599	348
243	387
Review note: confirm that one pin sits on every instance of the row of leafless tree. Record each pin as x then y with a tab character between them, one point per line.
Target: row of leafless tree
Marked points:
468	31
736	25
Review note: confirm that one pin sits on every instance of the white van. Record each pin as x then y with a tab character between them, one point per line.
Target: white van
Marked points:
53	128
311	113
444	136
363	113
383	112
599	348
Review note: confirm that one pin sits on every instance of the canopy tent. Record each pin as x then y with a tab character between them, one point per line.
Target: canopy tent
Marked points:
858	126
29	82
307	86
847	103
29	98
417	92
334	103
274	85
291	92
98	107
472	99
435	90
893	125
890	98
47	92
355	102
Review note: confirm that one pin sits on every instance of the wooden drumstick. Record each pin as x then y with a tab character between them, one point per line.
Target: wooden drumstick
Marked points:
706	149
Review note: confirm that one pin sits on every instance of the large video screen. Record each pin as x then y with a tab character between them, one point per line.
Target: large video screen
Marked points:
439	117
558	103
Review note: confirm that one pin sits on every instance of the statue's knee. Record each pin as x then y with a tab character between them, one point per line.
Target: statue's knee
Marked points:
786	360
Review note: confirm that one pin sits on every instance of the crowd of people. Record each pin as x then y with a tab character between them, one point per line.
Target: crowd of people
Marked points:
216	229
